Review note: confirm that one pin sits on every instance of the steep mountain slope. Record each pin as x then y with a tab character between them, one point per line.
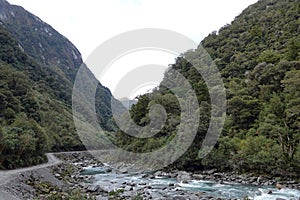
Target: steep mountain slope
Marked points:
30	117
262	33
41	41
258	57
37	70
52	50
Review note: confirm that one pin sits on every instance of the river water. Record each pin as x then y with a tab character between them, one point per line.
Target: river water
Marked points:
160	186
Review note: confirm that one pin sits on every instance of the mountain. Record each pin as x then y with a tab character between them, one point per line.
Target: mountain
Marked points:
259	60
38	67
40	41
127	103
52	50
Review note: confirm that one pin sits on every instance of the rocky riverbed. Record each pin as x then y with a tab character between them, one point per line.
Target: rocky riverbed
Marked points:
83	176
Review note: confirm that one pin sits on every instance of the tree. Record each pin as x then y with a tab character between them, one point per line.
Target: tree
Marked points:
1	142
9	114
140	110
275	124
293	49
269	56
243	111
292	98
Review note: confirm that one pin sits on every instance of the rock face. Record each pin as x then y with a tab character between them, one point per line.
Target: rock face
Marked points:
39	40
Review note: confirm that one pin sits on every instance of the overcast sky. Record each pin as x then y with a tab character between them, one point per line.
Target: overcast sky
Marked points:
89	23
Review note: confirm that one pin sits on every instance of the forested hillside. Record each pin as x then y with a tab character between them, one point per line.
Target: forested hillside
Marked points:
259	60
37	69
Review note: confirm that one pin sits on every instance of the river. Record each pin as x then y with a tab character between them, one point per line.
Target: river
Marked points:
160	187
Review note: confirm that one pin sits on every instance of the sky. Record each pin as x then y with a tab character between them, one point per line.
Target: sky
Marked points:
89	23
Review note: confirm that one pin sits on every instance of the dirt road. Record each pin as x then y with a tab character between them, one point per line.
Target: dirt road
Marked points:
9	175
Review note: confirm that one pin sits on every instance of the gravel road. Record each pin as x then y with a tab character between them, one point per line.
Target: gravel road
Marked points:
9	175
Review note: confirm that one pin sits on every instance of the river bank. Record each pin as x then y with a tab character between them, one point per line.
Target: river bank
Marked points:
82	175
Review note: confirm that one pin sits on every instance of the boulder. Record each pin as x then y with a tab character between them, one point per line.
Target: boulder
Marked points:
198	176
178	198
212	171
270	192
279	186
184	176
218	175
94	189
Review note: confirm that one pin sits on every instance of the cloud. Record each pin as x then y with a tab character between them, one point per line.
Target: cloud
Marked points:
89	23
131	2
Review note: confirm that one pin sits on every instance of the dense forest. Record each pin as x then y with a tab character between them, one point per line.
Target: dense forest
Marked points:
37	70
258	56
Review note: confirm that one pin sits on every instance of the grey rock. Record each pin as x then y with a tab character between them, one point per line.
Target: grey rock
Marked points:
198	176
101	198
178	198
94	189
184	176
211	171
